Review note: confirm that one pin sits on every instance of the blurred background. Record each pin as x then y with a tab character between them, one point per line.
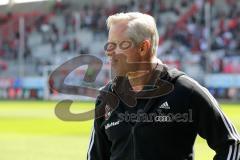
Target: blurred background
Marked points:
200	37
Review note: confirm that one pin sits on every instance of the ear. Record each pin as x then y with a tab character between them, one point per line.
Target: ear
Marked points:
144	47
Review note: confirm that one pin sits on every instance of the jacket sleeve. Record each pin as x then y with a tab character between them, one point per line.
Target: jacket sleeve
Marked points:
214	126
99	146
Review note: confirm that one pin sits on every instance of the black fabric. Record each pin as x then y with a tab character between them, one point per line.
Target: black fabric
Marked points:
167	124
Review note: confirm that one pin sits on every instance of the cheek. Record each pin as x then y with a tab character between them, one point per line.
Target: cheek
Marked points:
133	56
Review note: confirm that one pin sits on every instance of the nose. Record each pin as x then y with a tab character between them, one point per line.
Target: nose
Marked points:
109	53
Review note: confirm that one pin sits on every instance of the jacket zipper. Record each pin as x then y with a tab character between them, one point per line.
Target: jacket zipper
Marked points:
133	137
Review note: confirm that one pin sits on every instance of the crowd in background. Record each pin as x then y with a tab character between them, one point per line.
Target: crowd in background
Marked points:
193	38
188	35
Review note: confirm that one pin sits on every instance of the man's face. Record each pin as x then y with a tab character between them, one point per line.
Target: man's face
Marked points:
121	50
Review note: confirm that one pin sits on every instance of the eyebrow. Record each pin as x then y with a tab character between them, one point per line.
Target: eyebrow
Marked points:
118	41
114	40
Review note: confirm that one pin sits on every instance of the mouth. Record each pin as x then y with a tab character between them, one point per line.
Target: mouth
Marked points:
113	61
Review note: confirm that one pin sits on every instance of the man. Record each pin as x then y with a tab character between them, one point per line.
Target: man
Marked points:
160	110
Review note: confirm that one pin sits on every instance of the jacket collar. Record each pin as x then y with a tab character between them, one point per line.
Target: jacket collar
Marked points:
155	87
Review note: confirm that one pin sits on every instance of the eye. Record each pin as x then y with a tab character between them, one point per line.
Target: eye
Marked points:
110	46
125	45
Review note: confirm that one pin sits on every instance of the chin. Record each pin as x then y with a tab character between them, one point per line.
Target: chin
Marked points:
119	69
118	72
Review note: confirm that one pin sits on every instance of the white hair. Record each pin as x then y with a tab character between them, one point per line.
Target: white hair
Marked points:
139	27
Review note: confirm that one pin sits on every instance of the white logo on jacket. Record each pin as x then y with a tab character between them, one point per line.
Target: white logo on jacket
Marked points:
164	106
112	124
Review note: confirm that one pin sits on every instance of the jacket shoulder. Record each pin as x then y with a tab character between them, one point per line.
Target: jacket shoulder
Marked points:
187	83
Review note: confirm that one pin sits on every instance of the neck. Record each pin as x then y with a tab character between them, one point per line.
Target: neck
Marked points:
141	78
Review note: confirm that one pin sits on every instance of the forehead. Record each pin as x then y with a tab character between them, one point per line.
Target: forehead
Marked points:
117	32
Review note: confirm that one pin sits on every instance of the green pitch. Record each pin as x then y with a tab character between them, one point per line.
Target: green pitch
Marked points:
31	131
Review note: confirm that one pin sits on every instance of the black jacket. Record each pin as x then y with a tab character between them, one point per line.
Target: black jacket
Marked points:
163	127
